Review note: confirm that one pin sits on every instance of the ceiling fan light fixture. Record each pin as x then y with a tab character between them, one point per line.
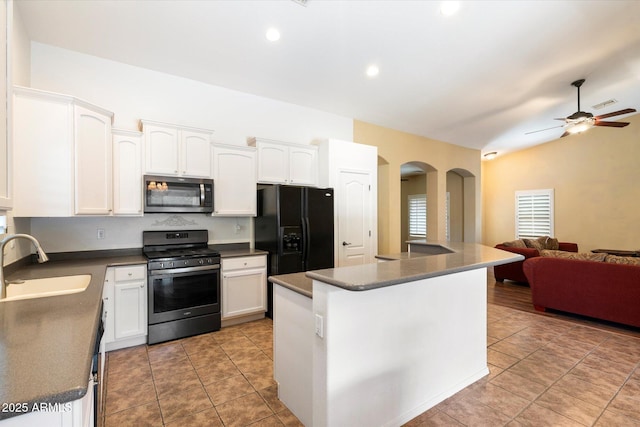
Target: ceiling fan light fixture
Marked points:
581	127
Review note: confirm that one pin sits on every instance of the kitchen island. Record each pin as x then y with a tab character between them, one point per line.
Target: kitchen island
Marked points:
378	344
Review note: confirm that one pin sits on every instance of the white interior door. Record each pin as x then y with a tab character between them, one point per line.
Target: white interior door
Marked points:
354	219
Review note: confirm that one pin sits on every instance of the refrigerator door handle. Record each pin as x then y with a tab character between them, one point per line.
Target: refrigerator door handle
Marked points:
305	241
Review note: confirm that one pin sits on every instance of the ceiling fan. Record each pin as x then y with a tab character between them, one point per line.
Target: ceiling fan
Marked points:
581	121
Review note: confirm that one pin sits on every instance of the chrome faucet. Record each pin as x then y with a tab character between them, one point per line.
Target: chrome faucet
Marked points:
42	257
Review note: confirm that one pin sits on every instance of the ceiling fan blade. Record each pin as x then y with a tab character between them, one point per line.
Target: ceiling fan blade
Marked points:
542	130
565	134
611	124
615	113
563	119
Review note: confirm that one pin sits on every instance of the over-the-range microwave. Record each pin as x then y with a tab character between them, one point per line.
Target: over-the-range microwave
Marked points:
176	194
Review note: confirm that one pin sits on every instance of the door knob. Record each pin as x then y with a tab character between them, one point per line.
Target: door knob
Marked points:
345	244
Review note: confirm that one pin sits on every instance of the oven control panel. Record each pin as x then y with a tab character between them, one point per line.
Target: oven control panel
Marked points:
165	264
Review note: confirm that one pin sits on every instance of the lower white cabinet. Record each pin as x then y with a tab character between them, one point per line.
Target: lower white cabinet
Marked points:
244	286
125	306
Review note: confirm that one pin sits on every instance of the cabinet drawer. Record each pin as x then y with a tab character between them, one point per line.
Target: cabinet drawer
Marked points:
134	272
244	262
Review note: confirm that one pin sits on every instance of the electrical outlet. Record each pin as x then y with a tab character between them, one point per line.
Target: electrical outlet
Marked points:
100	233
319	325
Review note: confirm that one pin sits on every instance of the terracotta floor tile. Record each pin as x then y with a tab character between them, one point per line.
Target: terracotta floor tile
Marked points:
147	415
197	343
503	329
217	371
165	351
518	385
569	406
213	354
614	419
228	334
243	410
171	368
500	359
256	361
126	377
270	395
188	402
125	361
571	354
539	416
238	345
598	395
206	418
169	385
288	419
470	411
623	344
596	376
260	378
617	355
518	346
498	398
545	374
228	389
129	397
272	421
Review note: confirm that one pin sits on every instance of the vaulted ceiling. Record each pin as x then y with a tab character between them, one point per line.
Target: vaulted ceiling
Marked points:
481	78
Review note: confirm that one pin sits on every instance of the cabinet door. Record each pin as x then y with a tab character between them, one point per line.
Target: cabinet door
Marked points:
195	154
244	292
161	149
303	165
127	174
130	309
234	177
273	163
92	162
42	185
108	312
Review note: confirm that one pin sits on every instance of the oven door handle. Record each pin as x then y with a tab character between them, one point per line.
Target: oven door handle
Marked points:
184	270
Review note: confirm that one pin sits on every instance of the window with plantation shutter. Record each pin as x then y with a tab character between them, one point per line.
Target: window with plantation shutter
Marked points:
534	213
418	215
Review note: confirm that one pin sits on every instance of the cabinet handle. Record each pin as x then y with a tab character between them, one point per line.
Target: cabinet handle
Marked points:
141	286
130	274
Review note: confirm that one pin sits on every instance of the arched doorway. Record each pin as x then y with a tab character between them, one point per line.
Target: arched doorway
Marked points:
418	201
461	206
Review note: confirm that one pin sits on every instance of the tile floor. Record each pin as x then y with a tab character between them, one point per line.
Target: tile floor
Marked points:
544	372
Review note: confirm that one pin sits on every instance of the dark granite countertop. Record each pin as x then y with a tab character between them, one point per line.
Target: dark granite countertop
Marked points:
297	282
463	257
234	253
46	344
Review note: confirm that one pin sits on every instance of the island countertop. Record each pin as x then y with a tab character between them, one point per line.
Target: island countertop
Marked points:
47	343
462	257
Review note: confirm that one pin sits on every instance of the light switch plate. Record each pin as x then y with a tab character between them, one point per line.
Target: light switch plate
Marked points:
319	326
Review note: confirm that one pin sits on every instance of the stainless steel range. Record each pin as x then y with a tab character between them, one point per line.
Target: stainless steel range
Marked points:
184	284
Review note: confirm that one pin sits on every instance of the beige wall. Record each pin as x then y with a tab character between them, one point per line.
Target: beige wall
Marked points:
396	148
596	180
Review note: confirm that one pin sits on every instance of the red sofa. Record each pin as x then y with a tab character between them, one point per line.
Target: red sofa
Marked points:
602	290
513	271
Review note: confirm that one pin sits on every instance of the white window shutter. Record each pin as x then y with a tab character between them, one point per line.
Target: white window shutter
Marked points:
534	213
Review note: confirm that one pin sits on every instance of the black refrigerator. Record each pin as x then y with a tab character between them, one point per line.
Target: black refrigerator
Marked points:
295	224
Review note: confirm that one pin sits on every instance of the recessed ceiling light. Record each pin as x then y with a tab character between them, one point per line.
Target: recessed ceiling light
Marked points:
273	35
373	70
449	8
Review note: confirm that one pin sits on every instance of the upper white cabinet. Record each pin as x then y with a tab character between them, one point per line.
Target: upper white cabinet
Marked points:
176	150
234	180
5	153
61	155
284	163
127	172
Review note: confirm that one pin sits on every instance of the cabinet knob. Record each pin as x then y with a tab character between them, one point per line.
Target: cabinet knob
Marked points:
130	274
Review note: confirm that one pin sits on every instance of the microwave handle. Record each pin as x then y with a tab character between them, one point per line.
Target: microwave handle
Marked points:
201	194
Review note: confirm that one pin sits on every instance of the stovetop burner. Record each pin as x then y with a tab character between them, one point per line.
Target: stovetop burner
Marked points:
177	253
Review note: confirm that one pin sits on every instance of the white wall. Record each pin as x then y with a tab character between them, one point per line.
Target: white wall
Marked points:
134	93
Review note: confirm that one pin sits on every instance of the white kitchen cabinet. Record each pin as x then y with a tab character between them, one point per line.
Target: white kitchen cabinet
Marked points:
61	155
93	165
125	306
284	163
176	150
244	286
77	413
234	180
5	111
127	172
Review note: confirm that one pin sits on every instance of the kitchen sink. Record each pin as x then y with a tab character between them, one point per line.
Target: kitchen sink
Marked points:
46	287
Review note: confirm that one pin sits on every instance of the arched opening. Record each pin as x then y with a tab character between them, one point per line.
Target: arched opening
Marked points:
461	206
418	201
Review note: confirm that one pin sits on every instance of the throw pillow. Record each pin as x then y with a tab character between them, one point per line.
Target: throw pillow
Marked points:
534	243
615	259
552	244
515	244
582	256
